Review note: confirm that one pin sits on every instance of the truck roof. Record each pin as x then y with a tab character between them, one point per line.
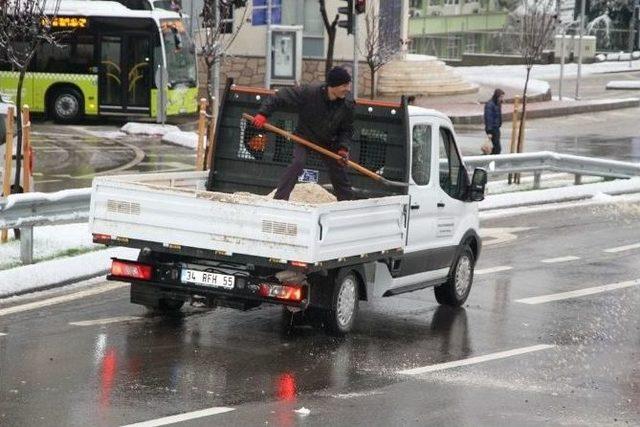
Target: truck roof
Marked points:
420	111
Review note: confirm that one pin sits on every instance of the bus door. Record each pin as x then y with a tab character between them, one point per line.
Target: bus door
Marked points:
125	74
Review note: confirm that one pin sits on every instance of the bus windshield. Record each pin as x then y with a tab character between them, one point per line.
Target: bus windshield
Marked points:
181	63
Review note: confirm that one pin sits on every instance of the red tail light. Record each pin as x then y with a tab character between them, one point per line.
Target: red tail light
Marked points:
288	291
131	270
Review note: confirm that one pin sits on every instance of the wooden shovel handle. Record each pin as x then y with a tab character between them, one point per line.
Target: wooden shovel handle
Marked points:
315	147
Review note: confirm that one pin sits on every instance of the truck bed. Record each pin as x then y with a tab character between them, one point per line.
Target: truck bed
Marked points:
174	210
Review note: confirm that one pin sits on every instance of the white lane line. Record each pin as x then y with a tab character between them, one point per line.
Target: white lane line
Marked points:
493	269
181	417
61	299
579	293
560	259
106	321
475	360
2	335
622	248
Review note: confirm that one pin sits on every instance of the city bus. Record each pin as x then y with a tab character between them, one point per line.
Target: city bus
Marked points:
110	64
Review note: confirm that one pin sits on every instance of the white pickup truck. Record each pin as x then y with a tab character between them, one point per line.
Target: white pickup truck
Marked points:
203	239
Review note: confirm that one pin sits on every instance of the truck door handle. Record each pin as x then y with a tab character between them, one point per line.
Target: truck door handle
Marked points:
440	205
415	207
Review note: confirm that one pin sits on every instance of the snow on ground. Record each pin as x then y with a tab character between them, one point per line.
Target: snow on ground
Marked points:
185	139
61	240
135	128
49	242
551	195
624	84
59	271
535	86
546	71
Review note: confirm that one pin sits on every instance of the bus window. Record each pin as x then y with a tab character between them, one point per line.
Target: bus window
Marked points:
181	65
75	56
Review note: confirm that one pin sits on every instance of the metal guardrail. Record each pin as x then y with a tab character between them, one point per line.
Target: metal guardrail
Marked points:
548	161
25	211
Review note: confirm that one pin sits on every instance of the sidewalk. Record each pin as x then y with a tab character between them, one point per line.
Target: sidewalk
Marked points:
472	113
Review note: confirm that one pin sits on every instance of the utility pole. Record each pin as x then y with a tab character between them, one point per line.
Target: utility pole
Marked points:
267	78
562	41
216	65
579	76
354	90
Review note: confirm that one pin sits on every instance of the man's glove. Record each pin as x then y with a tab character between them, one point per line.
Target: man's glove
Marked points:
344	153
259	120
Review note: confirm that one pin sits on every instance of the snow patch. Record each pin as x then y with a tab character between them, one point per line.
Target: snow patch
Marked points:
135	128
47	273
184	139
624	84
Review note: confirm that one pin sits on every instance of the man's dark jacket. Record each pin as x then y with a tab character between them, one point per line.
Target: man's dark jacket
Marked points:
492	116
329	123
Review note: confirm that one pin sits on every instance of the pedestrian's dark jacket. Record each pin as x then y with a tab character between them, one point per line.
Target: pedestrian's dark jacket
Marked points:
492	116
320	120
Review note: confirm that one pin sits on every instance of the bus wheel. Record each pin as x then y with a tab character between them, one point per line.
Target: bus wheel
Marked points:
66	105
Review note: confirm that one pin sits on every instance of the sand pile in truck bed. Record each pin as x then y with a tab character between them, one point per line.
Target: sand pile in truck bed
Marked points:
308	193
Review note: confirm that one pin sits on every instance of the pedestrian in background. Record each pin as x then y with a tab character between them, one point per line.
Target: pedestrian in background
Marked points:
493	119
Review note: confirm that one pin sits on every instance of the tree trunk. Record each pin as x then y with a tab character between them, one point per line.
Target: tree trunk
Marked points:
16	182
524	110
330	46
373	82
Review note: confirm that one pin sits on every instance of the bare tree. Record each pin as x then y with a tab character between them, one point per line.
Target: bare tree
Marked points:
330	27
24	26
217	36
537	21
376	52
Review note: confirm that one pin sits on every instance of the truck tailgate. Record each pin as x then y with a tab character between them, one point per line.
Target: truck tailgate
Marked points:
171	208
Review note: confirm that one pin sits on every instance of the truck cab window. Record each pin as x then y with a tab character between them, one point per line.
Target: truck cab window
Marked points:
421	154
450	165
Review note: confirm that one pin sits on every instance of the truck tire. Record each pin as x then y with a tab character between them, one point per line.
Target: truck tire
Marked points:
341	317
455	290
66	105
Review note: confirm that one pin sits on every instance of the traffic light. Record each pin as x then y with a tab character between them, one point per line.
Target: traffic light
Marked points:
348	12
360	6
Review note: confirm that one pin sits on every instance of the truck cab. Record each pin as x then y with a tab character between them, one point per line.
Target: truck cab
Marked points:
216	238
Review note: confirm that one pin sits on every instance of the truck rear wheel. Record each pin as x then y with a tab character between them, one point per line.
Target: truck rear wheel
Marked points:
455	290
341	317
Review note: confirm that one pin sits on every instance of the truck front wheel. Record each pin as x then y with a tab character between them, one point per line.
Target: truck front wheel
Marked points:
455	290
340	319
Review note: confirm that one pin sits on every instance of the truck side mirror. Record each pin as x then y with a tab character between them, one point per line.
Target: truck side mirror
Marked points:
478	184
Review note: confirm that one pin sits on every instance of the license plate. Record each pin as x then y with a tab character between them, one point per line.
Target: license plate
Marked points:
206	278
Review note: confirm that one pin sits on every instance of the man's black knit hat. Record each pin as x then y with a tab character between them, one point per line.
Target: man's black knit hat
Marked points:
337	77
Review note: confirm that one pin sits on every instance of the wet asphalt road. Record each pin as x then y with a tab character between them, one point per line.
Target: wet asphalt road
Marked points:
585	369
70	156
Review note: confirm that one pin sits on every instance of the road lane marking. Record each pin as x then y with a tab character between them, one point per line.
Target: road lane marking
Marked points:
622	248
182	417
493	269
475	360
560	259
106	321
61	299
2	335
579	293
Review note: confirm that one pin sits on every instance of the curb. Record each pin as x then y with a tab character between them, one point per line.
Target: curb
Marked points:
55	285
558	111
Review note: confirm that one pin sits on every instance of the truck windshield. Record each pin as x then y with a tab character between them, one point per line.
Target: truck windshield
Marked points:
181	62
